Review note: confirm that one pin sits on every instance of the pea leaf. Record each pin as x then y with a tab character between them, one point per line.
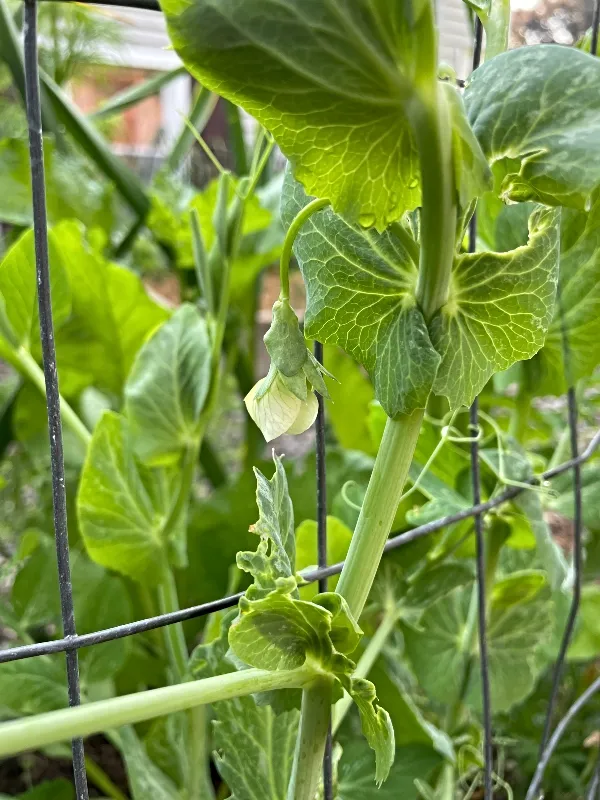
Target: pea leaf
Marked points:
144	777
572	348
121	506
275	556
167	387
360	296
499	310
254	746
536	113
280	632
18	287
331	81
34	686
112	316
437	650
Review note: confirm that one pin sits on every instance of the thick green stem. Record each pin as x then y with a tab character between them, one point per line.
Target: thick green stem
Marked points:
41	730
310	746
28	366
365	663
379	509
432	126
286	251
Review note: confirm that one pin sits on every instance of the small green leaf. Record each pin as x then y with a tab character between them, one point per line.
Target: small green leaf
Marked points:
332	82
519	587
437	582
167	388
360	296
536	113
276	553
516	634
586	642
498	313
277	632
122	508
563	502
376	724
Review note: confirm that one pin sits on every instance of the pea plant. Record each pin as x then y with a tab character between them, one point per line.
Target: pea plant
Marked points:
387	161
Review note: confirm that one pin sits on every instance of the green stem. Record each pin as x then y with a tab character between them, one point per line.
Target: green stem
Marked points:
175	639
432	128
310	746
286	251
101	780
365	663
41	730
28	366
379	509
236	138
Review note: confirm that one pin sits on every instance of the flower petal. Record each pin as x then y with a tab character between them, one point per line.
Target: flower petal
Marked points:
307	414
276	411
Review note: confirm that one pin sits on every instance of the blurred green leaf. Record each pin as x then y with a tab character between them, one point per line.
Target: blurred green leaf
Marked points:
112	316
348	410
136	93
167	387
338	542
356	772
49	790
18	286
436	649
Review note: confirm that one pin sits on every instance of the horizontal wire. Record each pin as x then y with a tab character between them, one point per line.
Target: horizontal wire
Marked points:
310	576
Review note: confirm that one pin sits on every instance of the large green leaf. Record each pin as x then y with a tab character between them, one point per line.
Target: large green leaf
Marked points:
536	113
254	746
112	316
331	81
360	295
516	633
499	310
572	348
167	387
122	507
18	287
33	686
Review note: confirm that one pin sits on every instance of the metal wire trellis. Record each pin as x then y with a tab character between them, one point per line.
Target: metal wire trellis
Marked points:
71	642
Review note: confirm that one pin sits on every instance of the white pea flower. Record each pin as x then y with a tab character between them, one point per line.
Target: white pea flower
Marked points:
277	410
284	401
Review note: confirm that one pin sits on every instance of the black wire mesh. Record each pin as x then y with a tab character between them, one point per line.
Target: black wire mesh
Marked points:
72	642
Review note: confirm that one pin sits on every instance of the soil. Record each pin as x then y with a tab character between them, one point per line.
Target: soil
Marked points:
19	774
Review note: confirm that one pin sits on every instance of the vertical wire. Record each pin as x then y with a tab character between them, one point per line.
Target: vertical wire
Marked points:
59	500
322	552
479	538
